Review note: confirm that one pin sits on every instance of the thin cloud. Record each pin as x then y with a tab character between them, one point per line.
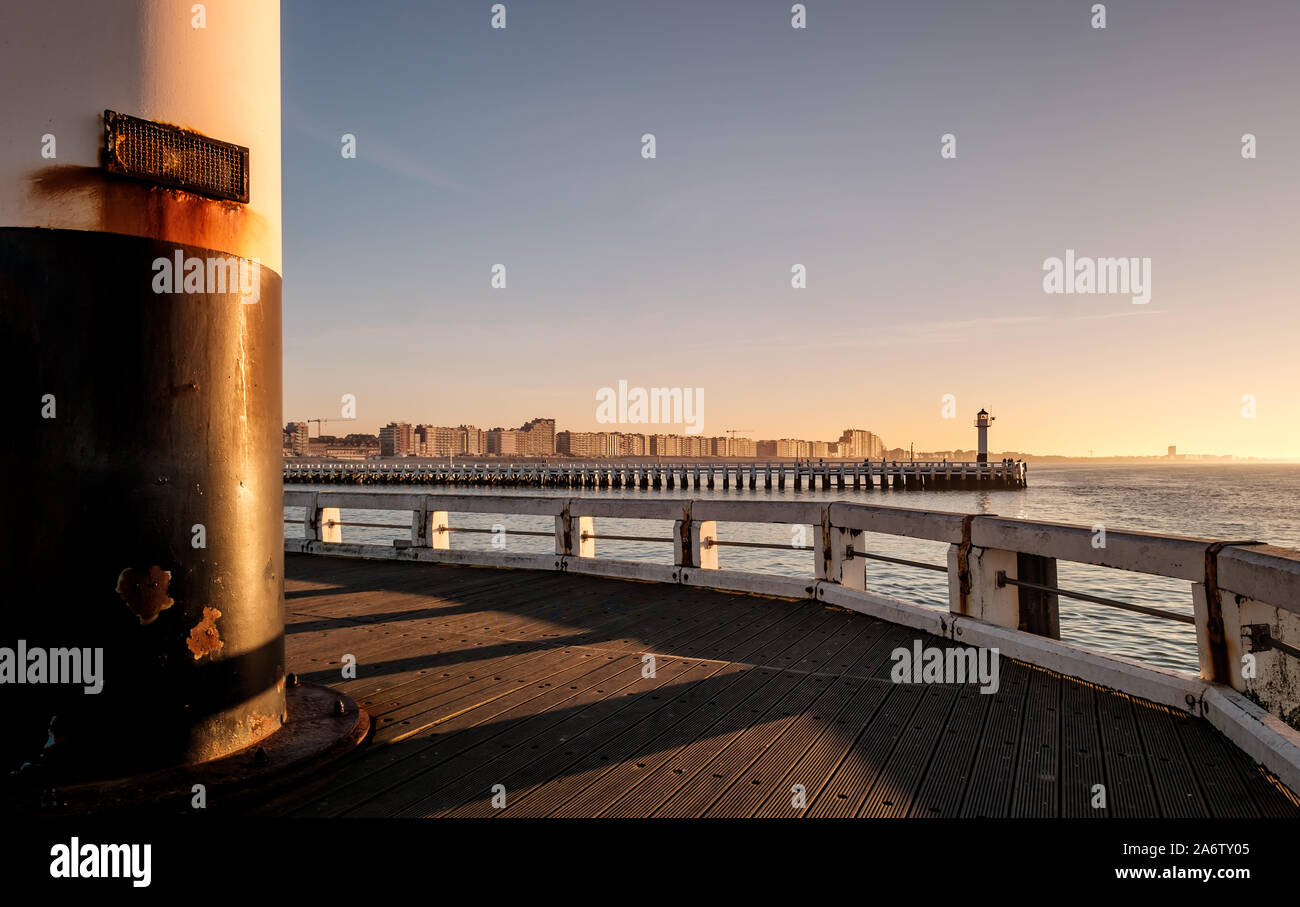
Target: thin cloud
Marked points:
375	150
909	333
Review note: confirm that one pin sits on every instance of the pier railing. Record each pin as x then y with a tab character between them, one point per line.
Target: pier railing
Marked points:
1001	577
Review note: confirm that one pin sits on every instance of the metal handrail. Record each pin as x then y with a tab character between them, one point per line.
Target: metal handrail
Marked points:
1004	580
1262	573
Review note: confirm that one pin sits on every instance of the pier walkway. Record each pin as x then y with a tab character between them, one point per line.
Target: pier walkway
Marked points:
583	683
568	695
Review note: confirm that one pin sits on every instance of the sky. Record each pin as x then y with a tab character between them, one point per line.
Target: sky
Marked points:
778	146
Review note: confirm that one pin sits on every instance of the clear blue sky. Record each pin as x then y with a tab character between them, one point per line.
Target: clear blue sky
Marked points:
779	146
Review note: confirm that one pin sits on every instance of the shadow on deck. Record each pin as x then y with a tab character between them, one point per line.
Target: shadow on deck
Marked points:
537	683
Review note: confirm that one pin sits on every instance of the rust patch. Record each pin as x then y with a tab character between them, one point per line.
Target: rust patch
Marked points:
139	209
1218	644
145	592
205	639
260	725
963	565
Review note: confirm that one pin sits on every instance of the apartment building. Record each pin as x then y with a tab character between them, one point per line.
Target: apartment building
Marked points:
397	439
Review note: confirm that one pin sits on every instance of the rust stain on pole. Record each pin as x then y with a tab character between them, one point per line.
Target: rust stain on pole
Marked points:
963	565
145	592
140	209
205	638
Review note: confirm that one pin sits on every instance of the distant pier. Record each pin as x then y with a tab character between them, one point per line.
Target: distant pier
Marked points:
670	476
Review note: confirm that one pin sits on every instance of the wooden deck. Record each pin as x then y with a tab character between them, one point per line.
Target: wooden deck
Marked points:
477	677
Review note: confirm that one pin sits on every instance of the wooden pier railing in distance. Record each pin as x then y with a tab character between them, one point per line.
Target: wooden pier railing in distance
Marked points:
842	475
1002	585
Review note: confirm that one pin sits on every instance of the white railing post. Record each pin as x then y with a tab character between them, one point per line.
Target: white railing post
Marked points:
984	581
694	542
704	551
330	525
973	589
586	536
1235	645
429	528
574	537
322	524
439	530
1268	676
848	566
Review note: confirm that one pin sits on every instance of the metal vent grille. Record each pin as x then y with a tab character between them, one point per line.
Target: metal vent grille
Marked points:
169	156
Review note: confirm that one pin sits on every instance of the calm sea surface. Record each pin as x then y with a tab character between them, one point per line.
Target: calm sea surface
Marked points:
1239	501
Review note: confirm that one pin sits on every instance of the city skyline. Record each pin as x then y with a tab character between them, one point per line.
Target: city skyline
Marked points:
539	437
754	446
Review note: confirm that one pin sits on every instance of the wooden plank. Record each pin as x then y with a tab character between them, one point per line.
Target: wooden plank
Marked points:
1220	773
717	774
1082	766
592	728
434	762
695	797
895	787
988	794
653	790
421	657
492	681
472	775
941	792
766	776
1037	784
731	714
847	787
1177	793
1271	797
657	740
816	766
381	768
1129	792
670	730
363	775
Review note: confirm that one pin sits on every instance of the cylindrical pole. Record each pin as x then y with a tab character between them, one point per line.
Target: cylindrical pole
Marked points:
144	495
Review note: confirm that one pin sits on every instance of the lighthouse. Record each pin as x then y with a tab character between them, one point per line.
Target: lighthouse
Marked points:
982	422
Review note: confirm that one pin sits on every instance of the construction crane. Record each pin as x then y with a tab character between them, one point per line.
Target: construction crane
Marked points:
319	422
731	439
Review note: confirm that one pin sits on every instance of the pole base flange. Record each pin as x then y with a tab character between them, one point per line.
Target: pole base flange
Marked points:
322	726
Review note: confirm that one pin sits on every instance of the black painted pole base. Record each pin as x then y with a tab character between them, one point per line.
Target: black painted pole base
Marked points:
143	512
